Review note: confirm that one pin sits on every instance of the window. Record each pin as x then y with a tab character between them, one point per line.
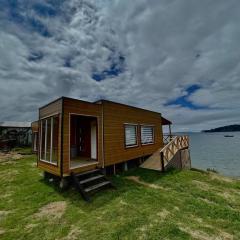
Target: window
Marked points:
49	139
147	134
130	135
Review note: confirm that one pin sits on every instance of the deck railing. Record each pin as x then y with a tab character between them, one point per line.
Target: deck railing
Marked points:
167	138
173	146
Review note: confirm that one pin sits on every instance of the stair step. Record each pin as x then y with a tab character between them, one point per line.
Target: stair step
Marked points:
87	180
87	173
95	187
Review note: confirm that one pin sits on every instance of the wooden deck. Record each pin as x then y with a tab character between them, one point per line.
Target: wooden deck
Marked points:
81	162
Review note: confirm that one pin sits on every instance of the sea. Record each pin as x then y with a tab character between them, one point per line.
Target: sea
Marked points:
214	151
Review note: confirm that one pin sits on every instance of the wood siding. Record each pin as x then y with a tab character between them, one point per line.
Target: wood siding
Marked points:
53	108
73	106
115	116
34	126
47	167
111	118
50	109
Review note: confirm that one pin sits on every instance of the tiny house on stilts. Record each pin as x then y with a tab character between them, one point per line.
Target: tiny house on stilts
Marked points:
84	140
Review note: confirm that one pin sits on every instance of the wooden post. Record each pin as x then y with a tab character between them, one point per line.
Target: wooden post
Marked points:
170	131
162	161
180	153
125	166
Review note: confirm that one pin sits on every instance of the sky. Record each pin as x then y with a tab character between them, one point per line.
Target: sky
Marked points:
180	58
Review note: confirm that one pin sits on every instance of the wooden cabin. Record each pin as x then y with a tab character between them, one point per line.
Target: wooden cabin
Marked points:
76	136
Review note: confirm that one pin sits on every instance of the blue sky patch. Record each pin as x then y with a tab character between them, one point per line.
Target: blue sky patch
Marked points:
184	101
15	10
44	10
67	62
116	68
192	89
39	27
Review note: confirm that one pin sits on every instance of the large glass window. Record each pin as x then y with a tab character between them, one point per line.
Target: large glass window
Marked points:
49	139
42	145
55	139
147	134
130	135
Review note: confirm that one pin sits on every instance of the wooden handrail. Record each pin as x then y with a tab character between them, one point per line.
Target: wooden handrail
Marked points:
168	138
170	150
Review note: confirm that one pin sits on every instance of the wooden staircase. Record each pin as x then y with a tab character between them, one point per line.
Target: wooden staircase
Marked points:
90	182
161	158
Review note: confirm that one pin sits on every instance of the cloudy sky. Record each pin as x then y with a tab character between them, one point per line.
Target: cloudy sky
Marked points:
181	58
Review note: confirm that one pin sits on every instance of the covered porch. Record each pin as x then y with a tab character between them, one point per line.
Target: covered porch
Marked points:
83	141
167	136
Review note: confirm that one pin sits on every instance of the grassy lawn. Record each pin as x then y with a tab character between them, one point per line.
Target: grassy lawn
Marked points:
174	205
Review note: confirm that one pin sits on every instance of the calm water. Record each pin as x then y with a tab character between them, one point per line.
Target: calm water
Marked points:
213	150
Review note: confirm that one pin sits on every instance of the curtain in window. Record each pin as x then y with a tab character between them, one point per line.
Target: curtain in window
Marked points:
130	135
146	134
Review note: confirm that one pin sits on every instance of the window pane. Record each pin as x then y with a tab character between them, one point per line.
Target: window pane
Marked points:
55	139
146	134
130	135
48	132
43	126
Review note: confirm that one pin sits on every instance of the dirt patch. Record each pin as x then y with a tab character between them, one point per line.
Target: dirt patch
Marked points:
227	196
196	234
8	158
200	221
9	173
163	214
137	180
202	185
52	210
123	203
197	219
30	226
207	201
218	177
6	195
4	213
176	208
2	231
73	234
225	236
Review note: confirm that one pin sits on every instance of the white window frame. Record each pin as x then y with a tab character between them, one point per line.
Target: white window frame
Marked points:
45	143
153	134
136	134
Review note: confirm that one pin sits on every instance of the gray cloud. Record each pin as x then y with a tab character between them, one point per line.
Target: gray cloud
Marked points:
167	46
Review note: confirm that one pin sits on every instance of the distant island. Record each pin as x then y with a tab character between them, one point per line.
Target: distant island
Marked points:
229	128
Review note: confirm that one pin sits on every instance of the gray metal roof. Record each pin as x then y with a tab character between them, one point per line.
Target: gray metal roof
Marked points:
15	124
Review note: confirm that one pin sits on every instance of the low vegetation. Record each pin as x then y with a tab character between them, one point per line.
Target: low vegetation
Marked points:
145	205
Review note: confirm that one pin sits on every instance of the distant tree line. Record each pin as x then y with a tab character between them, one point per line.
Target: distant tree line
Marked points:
229	128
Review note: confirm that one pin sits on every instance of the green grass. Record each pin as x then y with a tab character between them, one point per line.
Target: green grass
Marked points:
178	205
23	151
